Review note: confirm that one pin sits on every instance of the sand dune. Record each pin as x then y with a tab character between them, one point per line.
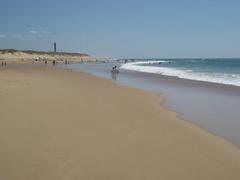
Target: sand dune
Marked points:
12	56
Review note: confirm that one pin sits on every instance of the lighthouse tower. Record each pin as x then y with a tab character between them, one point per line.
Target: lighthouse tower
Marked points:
55	47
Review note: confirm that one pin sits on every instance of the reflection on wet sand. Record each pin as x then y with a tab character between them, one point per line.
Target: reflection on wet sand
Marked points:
114	76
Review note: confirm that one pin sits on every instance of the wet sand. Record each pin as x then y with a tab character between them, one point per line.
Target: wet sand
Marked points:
58	124
214	107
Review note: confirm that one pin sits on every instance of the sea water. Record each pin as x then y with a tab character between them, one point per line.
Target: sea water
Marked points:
222	71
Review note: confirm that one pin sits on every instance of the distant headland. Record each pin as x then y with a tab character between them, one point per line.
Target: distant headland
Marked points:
13	55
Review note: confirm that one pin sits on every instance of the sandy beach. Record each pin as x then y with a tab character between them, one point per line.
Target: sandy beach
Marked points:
58	124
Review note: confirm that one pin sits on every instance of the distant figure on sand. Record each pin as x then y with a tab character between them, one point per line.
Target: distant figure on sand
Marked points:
54	62
114	73
66	62
45	62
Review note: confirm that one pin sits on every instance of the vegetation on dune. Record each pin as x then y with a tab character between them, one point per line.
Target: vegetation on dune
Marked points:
3	51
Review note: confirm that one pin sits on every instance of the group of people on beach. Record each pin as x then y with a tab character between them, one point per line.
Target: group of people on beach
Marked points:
114	70
54	62
114	73
4	64
66	62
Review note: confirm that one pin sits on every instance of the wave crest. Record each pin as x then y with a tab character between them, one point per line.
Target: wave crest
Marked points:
220	78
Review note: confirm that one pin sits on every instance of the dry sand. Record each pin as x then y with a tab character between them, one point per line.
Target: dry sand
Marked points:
61	125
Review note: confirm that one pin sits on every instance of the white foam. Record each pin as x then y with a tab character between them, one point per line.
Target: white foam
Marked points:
221	78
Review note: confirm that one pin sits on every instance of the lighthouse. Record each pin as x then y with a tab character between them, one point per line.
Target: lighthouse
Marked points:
55	47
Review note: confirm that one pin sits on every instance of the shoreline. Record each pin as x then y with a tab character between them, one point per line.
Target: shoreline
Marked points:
189	82
212	86
202	84
141	133
206	104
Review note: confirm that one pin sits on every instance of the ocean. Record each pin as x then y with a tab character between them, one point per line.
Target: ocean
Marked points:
222	71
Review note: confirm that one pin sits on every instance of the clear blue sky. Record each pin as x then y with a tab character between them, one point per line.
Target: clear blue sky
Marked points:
124	28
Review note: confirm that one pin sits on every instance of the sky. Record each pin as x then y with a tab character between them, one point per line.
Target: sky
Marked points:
124	28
